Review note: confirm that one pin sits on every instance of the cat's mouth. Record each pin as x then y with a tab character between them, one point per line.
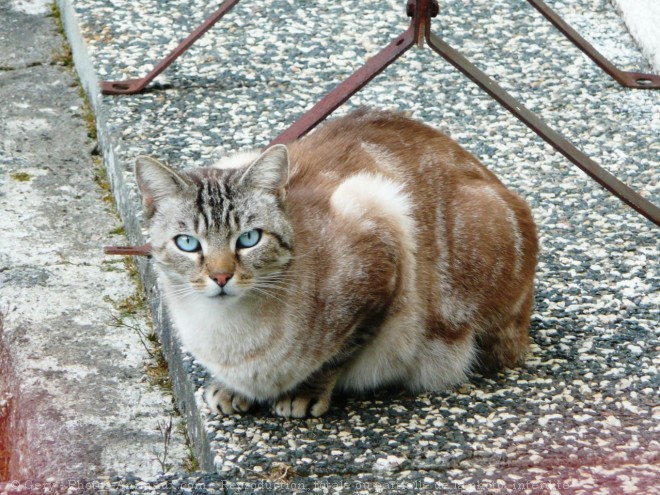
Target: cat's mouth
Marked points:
224	294
215	292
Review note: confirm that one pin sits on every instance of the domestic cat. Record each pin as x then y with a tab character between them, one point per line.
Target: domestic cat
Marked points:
373	252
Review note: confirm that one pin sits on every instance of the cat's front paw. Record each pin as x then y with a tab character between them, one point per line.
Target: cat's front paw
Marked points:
301	406
223	401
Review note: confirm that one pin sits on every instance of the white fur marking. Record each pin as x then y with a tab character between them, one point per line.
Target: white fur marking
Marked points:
384	159
373	201
364	194
388	358
222	343
454	309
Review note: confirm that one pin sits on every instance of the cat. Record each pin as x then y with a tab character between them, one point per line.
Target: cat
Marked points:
373	252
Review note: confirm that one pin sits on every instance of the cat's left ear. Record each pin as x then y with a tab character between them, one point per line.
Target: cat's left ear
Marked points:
270	171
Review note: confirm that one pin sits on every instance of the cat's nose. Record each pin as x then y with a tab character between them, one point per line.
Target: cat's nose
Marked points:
221	278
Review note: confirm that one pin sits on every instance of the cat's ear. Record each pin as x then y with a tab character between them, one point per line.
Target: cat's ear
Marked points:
156	181
270	171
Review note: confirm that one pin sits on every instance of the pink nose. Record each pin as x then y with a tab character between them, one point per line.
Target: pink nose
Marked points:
221	278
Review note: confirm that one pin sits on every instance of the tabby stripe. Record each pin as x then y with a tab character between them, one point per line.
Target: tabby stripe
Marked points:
282	242
200	207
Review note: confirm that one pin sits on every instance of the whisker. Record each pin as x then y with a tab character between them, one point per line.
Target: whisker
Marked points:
279	288
267	293
278	279
281	278
297	257
179	291
280	275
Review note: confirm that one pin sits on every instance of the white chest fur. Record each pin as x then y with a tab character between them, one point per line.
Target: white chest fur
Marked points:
245	350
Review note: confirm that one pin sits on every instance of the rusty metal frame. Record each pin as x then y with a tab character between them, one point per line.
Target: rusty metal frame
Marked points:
142	250
586	164
419	32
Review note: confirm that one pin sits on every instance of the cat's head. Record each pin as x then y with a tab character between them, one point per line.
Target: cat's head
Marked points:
217	232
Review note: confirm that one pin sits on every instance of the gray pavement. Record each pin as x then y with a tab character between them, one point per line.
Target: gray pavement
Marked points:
581	416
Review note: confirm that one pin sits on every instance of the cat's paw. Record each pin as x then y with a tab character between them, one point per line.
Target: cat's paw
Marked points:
301	406
223	401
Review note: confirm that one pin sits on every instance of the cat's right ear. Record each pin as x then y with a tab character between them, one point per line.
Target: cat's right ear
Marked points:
270	171
156	181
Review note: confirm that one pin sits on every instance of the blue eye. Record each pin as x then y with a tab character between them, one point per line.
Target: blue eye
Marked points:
249	239
187	243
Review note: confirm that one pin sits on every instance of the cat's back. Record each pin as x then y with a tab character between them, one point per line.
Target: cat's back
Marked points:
381	147
386	144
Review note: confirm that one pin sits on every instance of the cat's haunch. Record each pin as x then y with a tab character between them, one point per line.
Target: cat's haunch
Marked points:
374	252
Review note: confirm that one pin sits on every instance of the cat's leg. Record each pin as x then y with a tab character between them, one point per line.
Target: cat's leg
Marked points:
312	398
221	400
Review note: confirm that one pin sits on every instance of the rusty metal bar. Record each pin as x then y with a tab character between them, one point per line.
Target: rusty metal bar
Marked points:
595	171
143	250
420	11
132	86
338	96
638	80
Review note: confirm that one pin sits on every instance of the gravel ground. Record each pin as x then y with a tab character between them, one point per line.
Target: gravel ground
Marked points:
581	416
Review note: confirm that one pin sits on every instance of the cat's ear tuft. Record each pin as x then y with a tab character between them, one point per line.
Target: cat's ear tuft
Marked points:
270	171
156	181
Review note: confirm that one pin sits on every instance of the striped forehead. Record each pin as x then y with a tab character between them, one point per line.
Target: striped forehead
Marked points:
215	204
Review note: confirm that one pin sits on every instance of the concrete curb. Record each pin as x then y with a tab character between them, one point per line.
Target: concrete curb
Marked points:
642	17
130	214
81	404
